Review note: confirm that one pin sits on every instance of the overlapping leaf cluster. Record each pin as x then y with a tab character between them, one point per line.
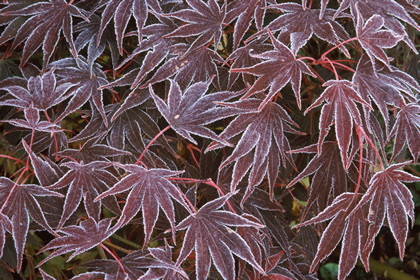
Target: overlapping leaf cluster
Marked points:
162	137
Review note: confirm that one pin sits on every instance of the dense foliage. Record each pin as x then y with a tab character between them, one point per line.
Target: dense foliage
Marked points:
205	139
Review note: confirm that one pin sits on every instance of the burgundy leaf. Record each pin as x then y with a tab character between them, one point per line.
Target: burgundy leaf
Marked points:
79	239
132	265
245	57
387	196
204	19
88	35
121	11
373	39
161	265
298	25
87	181
341	110
158	46
347	224
406	129
5	225
46	172
279	68
208	234
383	88
150	190
263	144
32	121
88	80
389	10
188	113
192	66
245	11
21	204
46	20
92	151
42	91
330	179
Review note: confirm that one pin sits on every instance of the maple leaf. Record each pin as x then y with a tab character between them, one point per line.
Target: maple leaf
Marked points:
150	190
192	66
188	112
79	239
245	57
33	121
390	11
42	27
204	19
298	25
245	11
88	35
263	144
46	172
19	202
87	181
5	224
113	270
373	40
406	129
92	151
208	233
121	11
341	110
383	87
323	7
42	140
330	179
279	68
88	80
158	260
161	47
387	196
161	265
347	224
42	91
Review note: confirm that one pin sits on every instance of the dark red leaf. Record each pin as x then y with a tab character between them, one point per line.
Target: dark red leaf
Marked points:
374	40
204	19
300	23
330	179
208	233
193	66
391	12
150	190
79	239
245	11
346	224
387	196
406	129
121	11
383	87
87	181
92	151
21	204
43	92
341	110
188	112
88	79
279	68
46	20
263	144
